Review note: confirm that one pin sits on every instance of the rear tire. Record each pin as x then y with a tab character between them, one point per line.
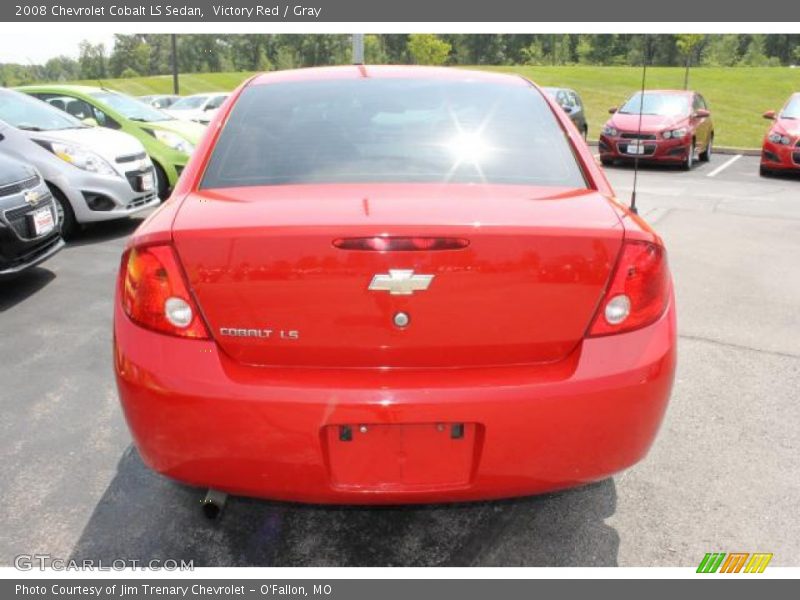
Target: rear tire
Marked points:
706	156
66	216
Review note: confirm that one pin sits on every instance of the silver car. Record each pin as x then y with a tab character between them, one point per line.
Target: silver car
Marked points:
94	173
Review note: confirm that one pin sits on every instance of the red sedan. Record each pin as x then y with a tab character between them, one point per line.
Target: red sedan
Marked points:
393	285
674	127
781	149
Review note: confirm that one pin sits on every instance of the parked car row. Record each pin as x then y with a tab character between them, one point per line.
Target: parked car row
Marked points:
167	141
93	154
102	155
676	127
80	154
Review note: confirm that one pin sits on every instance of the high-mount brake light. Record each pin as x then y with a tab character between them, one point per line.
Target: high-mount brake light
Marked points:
154	294
639	291
400	243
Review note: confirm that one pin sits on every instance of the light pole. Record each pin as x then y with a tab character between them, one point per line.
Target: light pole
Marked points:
175	88
358	48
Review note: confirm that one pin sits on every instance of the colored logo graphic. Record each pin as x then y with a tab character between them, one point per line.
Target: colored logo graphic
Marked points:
734	562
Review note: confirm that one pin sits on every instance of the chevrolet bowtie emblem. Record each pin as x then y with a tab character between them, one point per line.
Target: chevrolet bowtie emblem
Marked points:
400	282
31	197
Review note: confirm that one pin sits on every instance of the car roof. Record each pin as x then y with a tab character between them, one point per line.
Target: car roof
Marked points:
206	94
387	72
56	88
675	92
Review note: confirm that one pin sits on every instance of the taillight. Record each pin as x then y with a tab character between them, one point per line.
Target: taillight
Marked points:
639	290
154	293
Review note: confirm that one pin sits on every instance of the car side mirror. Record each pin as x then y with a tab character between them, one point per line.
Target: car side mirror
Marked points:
770	114
612	110
701	113
89	121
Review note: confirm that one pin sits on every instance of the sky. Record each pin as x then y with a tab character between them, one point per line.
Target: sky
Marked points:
25	48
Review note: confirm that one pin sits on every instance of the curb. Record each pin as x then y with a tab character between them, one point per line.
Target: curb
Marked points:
719	150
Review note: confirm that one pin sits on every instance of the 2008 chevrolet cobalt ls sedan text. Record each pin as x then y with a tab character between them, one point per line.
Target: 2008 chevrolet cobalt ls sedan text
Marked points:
391	285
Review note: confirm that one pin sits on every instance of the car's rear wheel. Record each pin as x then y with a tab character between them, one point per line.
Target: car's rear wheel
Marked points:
66	216
706	155
688	163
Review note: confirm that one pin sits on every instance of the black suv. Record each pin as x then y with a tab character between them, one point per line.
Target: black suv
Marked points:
29	227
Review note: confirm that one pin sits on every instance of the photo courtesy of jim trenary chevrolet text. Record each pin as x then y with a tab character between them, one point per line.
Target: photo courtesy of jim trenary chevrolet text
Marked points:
345	299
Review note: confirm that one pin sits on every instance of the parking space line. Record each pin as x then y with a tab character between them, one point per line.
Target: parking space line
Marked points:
724	165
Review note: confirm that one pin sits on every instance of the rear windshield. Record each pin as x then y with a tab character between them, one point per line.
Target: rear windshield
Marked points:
391	130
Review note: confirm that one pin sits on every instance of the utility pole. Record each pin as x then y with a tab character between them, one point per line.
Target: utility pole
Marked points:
358	48
175	87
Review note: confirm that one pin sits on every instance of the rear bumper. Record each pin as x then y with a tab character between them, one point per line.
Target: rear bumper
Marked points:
198	418
780	157
659	150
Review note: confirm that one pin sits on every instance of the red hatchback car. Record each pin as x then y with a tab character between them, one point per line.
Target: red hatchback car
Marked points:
675	127
393	285
781	149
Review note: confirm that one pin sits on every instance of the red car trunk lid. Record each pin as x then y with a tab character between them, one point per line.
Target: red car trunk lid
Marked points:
276	291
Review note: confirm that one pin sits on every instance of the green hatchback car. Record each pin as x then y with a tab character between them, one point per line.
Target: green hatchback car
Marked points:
168	141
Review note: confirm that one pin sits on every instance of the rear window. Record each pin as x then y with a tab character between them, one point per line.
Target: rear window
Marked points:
391	130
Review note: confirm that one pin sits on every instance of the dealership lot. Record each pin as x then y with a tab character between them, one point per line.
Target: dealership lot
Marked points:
722	476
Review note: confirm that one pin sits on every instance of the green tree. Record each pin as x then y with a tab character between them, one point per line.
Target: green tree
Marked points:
427	49
130	52
61	68
92	60
584	49
721	50
534	53
755	55
688	45
374	54
285	58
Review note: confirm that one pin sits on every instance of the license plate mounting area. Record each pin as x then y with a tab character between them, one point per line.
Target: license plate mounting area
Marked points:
396	457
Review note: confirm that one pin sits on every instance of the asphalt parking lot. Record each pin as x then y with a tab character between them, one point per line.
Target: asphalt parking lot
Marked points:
722	476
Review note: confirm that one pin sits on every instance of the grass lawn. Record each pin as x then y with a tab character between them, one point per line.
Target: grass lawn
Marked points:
193	83
737	96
